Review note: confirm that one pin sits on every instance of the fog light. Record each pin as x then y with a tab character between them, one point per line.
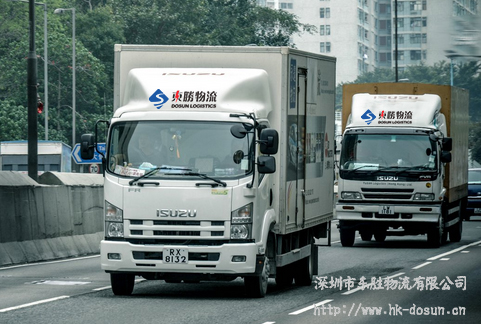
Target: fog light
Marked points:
239	258
113	256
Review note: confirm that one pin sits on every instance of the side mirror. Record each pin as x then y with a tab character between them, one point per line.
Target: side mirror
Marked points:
269	141
445	157
87	146
266	164
447	144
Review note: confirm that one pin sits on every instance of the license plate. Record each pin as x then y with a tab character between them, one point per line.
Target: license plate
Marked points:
477	210
175	255
386	210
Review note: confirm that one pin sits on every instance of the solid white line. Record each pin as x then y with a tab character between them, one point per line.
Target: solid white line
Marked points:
453	251
49	262
102	288
33	304
464	251
311	307
421	265
444	259
268	323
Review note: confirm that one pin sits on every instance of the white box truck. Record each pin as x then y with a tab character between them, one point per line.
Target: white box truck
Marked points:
403	164
219	164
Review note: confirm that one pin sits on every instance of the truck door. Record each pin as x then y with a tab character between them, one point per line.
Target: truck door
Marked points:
301	122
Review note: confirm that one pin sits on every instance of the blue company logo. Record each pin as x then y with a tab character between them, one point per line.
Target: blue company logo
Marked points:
368	116
158	98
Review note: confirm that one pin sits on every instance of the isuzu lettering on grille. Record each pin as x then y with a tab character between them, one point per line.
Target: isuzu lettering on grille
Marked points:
176	213
387	178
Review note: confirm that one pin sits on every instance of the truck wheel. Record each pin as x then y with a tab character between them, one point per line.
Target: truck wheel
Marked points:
456	231
303	272
256	286
122	283
284	275
347	237
380	236
366	236
436	236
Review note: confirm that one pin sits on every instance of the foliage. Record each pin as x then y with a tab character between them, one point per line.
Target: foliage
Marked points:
99	25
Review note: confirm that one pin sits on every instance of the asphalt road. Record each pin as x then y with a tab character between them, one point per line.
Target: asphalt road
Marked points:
77	291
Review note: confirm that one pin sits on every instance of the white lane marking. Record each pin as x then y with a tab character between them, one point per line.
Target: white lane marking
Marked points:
464	251
33	304
311	307
102	288
444	259
421	265
453	251
60	283
49	262
268	323
368	285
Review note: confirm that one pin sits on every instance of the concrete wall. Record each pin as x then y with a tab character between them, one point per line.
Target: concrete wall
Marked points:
42	221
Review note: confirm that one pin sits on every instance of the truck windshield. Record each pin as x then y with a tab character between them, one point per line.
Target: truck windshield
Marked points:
138	147
368	152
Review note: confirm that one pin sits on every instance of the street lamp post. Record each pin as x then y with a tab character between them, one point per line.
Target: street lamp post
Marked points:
61	11
45	62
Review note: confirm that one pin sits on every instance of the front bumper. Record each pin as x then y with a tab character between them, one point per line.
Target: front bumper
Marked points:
139	258
402	213
473	206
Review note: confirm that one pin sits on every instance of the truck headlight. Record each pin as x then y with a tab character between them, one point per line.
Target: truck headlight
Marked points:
241	223
349	195
423	196
114	221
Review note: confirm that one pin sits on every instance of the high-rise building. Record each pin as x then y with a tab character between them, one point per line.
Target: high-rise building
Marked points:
361	33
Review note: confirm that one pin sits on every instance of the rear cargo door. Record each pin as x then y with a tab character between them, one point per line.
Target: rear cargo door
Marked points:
296	147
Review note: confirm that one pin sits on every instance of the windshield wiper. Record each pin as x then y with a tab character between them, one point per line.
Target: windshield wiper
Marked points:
201	175
154	171
400	169
362	166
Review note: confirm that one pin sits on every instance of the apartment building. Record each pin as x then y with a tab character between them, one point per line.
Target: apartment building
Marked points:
361	33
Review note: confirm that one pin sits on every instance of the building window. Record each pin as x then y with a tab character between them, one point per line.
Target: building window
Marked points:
328	47
415	38
424	21
328	12
415	5
424	38
323	47
415	55
400	55
400	39
322	12
286	5
416	22
325	29
400	6
425	5
400	22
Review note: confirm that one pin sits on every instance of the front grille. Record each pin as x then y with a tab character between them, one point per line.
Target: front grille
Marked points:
171	228
387	194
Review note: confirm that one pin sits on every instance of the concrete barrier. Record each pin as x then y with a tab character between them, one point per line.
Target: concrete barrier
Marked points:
60	216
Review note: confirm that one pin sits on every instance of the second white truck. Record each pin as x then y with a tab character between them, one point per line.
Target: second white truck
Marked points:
403	164
219	164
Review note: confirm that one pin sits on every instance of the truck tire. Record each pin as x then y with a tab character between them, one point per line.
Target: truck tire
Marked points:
437	236
303	271
456	231
122	283
380	236
284	275
366	236
347	237
256	286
